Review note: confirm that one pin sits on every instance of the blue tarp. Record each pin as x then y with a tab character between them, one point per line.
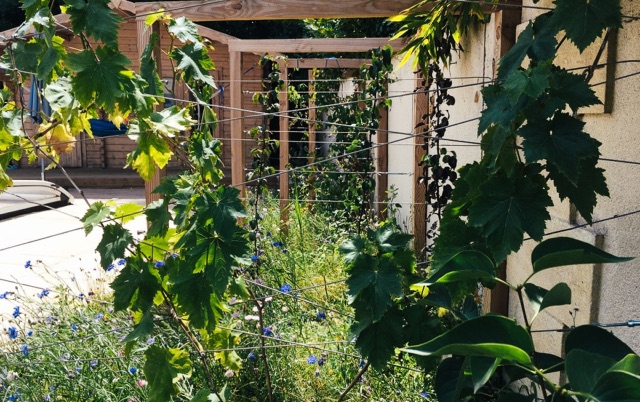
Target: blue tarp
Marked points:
105	128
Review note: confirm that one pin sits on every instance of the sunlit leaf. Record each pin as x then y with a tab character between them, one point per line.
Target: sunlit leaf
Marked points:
95	18
163	368
114	243
95	215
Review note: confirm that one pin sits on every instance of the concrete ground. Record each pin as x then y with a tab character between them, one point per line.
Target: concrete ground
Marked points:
55	243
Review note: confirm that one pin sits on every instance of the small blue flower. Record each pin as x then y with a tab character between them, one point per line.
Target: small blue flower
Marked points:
52	388
133	370
267	331
4	295
81	296
16	312
24	349
284	250
30	333
99	316
47	397
74	327
174	255
268	234
361	364
424	394
286	288
78	370
13	332
252	357
93	364
321	315
151	341
254	258
322	361
312	359
13	397
277	244
110	267
122	261
45	292
28	264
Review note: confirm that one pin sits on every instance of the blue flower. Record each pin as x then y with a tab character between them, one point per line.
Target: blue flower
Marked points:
78	370
4	295
93	364
52	388
267	331
254	258
174	255
361	364
424	394
24	349
133	370
322	361
13	332
122	261
268	234
252	357
45	292
99	316
81	296
321	315
28	264
13	397
286	288
312	359
151	341
47	397
284	250
110	267
74	327
277	244
159	264
16	312
29	333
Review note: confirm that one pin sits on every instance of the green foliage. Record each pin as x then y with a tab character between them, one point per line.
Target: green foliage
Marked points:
94	18
163	368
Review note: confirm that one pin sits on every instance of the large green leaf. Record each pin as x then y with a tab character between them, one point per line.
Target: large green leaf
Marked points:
489	335
224	341
378	341
94	216
563	251
597	340
584	20
501	109
464	266
59	93
149	69
617	386
531	82
162	369
630	364
94	18
482	368
541	298
451	383
159	217
114	243
194	62
571	89
135	286
143	326
185	30
584	369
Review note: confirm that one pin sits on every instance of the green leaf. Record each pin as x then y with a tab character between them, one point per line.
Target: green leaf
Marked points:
466	265
114	243
205	395
506	209
238	287
195	64
572	89
101	75
630	364
353	249
563	251
163	368
541	298
95	215
49	61
531	82
617	386
377	342
500	110
26	56
584	20
95	18
144	326
149	69
597	340
225	340
159	216
128	212
561	142
482	368
152	151
489	335
59	94
451	383
170	121
135	286
584	369
185	30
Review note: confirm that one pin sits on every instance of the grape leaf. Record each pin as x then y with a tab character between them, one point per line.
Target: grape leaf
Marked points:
159	216
128	212
171	121
584	20
151	151
572	89
59	94
195	63
186	31
99	76
149	69
113	244
561	142
163	368
224	340
506	209
377	342
144	326
54	52
95	18
531	82
94	215
500	110
25	56
135	286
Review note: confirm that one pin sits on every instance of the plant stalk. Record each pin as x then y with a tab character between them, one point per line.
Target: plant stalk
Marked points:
353	382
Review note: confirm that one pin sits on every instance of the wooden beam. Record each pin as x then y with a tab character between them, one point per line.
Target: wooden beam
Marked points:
382	162
213	35
331	45
331	62
283	97
313	116
237	145
239	10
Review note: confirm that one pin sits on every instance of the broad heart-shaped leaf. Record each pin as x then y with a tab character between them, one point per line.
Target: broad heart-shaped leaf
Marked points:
591	182
541	298
377	342
95	18
488	335
584	20
135	286
95	215
100	76
597	340
506	209
464	266
388	239
170	121
152	150
561	142
163	368
113	244
584	369
531	82
185	30
128	212
194	62
353	249
617	386
451	383
562	251
482	368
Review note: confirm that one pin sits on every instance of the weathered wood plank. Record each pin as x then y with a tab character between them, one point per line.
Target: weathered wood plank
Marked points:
237	146
331	45
284	146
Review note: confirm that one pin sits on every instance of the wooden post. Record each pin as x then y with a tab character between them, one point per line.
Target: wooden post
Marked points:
284	146
144	35
237	143
313	116
419	208
382	163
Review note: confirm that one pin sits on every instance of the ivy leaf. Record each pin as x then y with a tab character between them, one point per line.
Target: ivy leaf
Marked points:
95	215
584	20
561	142
195	63
96	19
377	342
531	82
185	30
113	245
99	76
506	209
135	286
163	368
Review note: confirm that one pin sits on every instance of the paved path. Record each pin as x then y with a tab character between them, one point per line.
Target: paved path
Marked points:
57	247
